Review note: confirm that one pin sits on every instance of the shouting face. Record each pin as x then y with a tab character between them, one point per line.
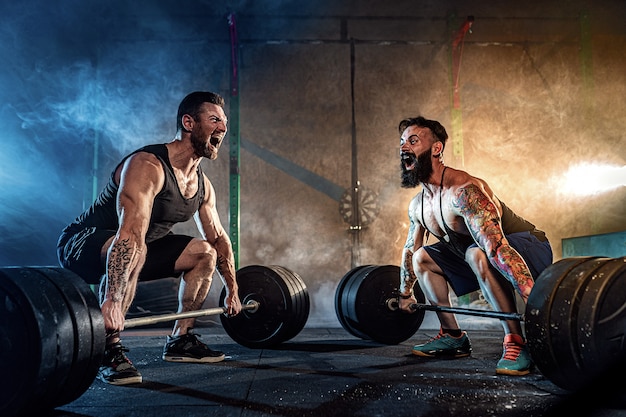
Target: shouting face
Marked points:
415	156
209	131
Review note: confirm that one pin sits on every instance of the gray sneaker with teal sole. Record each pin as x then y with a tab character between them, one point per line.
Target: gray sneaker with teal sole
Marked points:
444	345
515	358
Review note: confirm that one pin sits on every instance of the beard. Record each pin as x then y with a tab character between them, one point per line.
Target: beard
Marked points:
420	173
200	147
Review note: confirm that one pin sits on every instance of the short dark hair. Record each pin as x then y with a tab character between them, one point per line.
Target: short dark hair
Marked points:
192	102
438	130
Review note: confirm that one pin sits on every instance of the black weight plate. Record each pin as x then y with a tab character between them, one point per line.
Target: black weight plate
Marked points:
538	318
19	344
601	321
364	301
349	298
284	307
88	332
340	302
302	303
48	324
563	323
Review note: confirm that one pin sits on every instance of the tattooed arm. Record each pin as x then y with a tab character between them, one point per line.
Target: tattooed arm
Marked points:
483	221
140	179
209	223
414	241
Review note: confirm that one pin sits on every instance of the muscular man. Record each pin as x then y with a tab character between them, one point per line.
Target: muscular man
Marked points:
126	237
481	244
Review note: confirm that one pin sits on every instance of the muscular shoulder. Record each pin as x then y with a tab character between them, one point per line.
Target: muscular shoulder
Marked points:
457	181
141	167
465	190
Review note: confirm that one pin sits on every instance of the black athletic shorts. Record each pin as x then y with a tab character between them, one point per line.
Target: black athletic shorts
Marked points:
536	253
80	253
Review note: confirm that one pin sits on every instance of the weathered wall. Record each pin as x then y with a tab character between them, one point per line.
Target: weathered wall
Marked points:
527	114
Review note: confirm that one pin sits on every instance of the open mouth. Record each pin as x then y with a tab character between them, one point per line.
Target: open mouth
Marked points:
215	141
408	161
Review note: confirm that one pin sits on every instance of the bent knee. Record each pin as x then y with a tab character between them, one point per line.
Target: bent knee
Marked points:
199	254
476	258
475	255
422	261
206	254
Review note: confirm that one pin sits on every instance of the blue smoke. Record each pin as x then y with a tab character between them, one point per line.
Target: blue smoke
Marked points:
84	82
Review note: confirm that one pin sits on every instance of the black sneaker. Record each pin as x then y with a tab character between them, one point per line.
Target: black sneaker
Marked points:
116	368
187	348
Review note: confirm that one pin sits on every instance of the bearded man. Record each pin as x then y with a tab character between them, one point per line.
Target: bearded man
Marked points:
126	236
482	244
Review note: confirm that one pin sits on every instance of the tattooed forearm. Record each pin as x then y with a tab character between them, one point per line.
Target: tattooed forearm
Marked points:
219	264
223	264
407	276
509	262
119	262
483	222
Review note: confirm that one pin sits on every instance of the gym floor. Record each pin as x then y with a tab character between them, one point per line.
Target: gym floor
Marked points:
328	372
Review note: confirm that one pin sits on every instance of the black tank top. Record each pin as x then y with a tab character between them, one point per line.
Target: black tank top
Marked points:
459	242
169	207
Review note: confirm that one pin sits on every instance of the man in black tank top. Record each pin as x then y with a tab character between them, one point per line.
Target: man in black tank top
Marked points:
126	235
482	244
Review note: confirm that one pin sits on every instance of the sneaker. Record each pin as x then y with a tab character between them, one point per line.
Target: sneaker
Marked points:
515	358
187	348
116	368
445	345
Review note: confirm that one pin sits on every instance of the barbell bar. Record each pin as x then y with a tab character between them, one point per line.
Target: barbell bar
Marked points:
251	306
392	304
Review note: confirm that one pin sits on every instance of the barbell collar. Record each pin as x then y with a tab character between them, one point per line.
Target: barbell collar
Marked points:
392	303
251	306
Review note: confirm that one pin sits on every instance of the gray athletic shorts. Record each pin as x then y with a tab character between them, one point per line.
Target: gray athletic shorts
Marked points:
80	253
536	253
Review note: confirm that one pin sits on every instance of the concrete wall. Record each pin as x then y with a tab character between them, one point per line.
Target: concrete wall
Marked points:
529	109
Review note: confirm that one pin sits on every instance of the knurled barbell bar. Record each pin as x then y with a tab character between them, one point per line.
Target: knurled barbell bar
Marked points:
392	304
52	328
251	306
575	317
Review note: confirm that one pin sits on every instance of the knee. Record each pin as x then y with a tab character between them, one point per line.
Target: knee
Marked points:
421	261
205	256
476	258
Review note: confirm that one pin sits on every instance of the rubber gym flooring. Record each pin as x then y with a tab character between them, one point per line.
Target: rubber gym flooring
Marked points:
329	372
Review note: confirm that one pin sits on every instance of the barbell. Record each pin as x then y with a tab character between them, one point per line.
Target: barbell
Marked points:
392	304
52	329
574	320
251	306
